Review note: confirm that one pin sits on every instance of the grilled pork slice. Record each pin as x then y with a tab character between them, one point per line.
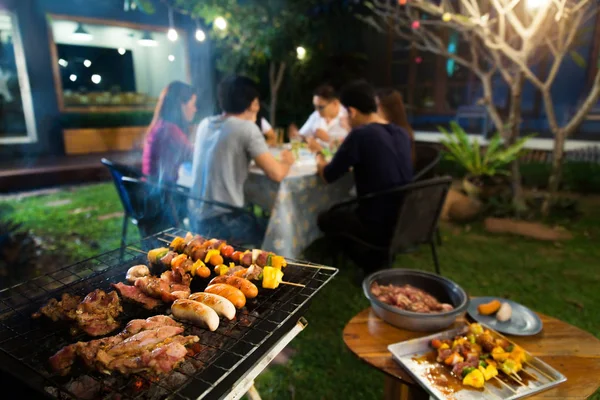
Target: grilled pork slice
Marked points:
64	309
97	313
134	295
152	345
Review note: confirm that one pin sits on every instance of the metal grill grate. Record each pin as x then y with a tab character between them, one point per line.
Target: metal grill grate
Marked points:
222	358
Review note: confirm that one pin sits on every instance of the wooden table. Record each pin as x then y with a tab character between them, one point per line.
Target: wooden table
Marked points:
571	351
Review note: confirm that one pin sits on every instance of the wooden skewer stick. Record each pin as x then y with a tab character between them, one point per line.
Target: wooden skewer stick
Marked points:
530	374
310	266
505	384
541	372
164	240
170	234
514	378
138	250
292	284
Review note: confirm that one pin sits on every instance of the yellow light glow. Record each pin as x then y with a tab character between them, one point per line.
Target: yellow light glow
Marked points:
447	17
172	35
300	52
220	23
536	4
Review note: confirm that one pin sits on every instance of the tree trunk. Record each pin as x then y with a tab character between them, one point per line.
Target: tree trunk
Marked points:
558	155
276	74
514	121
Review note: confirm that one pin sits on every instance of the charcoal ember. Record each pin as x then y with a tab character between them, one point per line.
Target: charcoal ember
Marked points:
174	380
190	366
155	392
206	355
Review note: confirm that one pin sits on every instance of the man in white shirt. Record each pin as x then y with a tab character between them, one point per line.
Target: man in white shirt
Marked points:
329	122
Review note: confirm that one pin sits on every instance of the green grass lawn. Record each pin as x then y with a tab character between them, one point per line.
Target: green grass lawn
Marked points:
560	280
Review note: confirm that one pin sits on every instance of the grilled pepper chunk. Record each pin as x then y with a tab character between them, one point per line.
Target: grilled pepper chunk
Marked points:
474	379
272	277
155	255
488	372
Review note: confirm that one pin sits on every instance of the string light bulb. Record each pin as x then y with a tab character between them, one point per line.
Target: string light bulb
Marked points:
300	52
402	2
171	33
220	23
418	59
416	24
447	17
536	4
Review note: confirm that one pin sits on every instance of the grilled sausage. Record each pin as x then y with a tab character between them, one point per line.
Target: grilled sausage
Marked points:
195	313
231	293
248	288
222	306
135	272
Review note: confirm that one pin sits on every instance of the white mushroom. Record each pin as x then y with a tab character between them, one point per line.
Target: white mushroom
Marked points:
135	272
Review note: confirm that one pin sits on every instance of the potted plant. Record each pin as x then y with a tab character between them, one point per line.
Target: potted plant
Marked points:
486	170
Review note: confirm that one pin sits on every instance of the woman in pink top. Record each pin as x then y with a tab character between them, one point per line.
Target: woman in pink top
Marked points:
167	145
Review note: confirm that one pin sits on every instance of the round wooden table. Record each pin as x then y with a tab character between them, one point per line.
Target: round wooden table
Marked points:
571	351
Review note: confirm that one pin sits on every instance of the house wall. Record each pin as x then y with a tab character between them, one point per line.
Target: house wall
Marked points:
34	29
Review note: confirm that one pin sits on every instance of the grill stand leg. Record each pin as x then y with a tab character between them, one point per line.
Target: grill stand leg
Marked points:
253	393
435	258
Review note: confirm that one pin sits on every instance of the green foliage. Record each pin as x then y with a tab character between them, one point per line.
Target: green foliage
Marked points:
468	154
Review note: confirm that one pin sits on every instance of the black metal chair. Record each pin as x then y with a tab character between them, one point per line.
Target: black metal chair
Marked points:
156	207
419	208
427	158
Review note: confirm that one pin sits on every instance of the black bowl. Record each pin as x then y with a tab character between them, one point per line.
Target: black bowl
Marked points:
444	290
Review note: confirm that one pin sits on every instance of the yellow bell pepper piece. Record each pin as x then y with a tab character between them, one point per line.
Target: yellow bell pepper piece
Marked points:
474	379
155	255
272	277
195	266
476	329
518	354
278	262
211	253
221	269
499	354
488	372
444	346
177	243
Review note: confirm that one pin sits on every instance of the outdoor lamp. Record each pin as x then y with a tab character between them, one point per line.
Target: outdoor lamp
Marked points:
220	23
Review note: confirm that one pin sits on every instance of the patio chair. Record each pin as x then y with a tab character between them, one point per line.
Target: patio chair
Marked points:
427	158
156	208
419	207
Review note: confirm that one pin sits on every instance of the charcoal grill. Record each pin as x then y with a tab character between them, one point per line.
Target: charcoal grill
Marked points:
225	359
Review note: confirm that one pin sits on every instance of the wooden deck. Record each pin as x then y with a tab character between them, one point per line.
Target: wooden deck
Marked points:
28	174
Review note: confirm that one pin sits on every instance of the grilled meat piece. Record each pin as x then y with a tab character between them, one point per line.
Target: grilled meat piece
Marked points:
97	312
144	340
154	345
60	310
172	285
253	273
134	295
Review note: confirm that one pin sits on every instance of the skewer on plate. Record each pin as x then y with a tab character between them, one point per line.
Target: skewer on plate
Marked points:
541	372
505	384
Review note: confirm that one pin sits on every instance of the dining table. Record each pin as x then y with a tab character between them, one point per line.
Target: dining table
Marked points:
572	351
292	205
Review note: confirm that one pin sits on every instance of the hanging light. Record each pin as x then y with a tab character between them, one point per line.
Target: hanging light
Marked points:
447	17
63	63
121	51
300	53
171	33
171	57
200	35
147	40
220	23
87	63
96	79
73	77
81	34
416	24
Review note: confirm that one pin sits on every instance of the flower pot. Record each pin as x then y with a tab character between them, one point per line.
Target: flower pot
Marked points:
485	187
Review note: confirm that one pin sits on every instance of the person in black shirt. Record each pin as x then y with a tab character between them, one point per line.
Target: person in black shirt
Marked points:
379	155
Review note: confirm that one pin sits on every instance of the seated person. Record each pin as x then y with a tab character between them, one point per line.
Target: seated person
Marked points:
166	145
391	107
380	157
225	146
266	128
329	121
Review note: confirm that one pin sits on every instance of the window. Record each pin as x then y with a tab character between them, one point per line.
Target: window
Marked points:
103	67
17	123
